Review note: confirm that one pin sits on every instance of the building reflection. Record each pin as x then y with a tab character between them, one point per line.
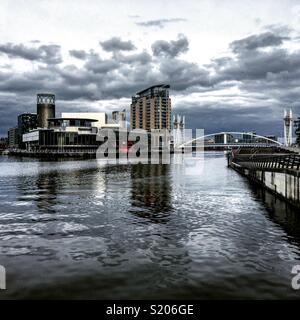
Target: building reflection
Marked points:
41	189
151	192
48	186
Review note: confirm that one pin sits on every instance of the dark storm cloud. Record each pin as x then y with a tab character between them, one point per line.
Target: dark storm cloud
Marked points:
116	44
263	40
79	54
49	54
170	48
251	64
217	117
257	65
160	23
183	75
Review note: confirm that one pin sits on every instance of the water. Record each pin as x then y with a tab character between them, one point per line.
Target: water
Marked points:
78	229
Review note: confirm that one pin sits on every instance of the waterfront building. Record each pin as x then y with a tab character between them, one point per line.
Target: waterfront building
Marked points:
13	137
63	134
151	109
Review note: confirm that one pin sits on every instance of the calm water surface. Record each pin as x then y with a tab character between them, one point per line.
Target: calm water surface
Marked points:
79	229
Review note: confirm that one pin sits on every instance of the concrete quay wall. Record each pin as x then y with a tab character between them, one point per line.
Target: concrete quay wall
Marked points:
285	184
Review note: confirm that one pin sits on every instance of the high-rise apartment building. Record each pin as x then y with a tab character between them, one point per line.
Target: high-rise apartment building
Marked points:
151	109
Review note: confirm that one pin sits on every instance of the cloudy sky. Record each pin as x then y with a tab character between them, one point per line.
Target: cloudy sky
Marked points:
232	65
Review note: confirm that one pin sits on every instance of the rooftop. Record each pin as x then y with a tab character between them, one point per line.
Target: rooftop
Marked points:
85	119
166	86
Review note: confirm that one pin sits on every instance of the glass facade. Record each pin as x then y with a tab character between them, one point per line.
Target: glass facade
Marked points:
86	123
60	139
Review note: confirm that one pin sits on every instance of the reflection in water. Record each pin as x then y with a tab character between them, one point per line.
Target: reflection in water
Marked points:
143	231
42	190
151	192
281	212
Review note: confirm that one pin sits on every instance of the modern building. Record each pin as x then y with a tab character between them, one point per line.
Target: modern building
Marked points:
45	109
151	109
63	134
13	137
100	117
26	123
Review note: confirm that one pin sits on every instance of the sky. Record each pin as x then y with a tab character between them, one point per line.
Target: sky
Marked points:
232	65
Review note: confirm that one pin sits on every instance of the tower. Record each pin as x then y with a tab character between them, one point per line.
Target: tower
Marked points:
151	109
288	128
178	130
45	109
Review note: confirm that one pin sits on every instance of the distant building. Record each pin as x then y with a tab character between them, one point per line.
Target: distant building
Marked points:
151	109
272	137
224	138
297	130
13	138
248	137
26	123
119	117
100	117
3	143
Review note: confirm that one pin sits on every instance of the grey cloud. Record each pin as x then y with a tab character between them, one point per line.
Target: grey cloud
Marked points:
183	75
49	54
172	48
263	40
97	65
160	23
279	29
116	44
257	65
138	58
79	54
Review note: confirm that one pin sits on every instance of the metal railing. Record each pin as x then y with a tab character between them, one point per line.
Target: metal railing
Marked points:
268	162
